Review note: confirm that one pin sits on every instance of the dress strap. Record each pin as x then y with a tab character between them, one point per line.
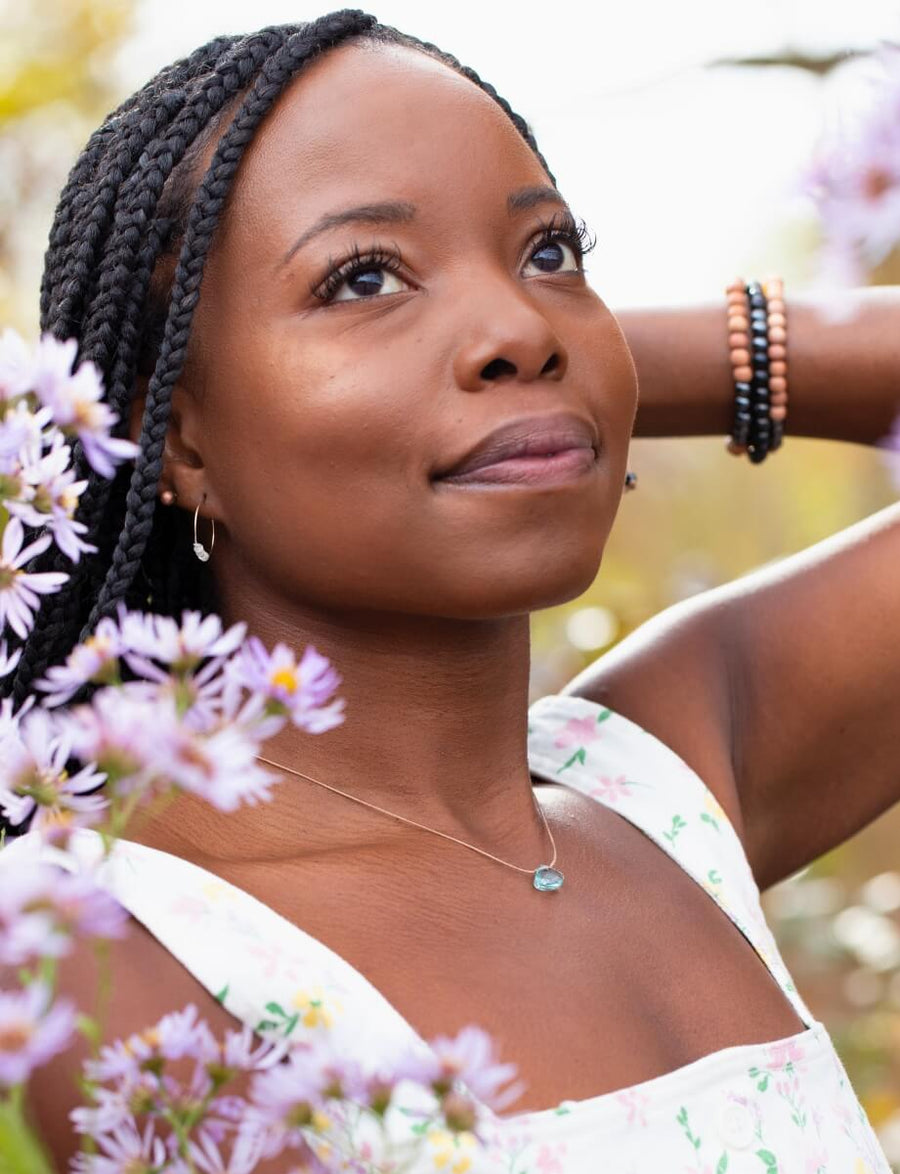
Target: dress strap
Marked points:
610	758
263	969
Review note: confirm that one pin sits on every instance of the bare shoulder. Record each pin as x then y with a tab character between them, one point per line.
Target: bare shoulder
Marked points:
671	676
146	982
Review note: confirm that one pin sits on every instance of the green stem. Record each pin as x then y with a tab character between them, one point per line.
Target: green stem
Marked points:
47	973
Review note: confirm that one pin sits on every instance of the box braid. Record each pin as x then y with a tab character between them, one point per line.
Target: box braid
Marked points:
131	212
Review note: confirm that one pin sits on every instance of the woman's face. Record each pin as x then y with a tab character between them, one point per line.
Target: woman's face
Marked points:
322	407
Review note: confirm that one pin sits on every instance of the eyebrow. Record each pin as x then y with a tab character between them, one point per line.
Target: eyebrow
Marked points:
400	212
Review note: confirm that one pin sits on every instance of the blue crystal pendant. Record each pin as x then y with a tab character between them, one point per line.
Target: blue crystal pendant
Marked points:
547	879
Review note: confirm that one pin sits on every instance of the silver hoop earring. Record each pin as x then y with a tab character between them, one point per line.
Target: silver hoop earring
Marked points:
199	549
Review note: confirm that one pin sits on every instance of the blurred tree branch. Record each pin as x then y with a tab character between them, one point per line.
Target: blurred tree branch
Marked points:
795	59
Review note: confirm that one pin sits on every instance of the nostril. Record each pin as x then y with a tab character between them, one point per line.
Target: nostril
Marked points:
551	364
498	367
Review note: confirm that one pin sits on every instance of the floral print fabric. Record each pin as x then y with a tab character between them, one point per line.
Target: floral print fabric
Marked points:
779	1108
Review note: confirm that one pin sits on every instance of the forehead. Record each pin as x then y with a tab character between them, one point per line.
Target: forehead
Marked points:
368	122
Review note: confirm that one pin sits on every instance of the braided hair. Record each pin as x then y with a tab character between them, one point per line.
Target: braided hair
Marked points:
122	275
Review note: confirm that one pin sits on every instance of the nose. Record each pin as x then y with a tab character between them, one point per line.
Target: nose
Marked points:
508	338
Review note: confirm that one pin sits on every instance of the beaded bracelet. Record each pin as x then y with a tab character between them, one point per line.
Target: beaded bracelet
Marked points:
757	337
760	427
778	387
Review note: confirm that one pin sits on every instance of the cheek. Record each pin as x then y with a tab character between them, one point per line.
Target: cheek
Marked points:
316	454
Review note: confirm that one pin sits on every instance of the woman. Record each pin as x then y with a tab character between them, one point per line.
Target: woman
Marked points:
392	309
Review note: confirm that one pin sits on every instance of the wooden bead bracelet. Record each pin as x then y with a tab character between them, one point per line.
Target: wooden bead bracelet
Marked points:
757	342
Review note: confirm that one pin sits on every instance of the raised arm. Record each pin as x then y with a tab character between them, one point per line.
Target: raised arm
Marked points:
782	689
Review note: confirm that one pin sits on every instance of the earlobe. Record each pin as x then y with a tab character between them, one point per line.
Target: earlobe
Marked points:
183	479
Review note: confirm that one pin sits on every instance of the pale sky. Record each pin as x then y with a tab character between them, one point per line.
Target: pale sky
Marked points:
685	174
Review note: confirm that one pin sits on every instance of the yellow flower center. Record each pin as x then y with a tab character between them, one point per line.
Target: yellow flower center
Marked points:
285	679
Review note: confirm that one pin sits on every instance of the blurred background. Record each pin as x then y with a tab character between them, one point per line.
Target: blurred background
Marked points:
682	134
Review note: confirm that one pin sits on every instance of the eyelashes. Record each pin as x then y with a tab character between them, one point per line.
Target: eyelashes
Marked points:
562	228
565	228
353	266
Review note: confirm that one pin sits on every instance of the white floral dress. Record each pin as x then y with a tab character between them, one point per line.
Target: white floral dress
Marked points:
784	1107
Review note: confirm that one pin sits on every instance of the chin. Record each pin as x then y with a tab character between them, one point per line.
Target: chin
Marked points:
497	590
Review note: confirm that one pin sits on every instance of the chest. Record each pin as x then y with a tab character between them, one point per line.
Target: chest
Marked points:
630	970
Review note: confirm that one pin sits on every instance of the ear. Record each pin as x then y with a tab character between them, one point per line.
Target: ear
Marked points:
183	471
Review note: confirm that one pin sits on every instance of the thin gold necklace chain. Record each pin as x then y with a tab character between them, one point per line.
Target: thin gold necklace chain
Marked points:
412	822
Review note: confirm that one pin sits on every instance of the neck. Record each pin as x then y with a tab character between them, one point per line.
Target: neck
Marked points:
435	730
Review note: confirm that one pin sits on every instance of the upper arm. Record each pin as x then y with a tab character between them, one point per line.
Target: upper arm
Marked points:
816	678
782	691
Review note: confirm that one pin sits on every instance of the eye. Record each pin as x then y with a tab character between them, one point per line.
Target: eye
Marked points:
556	256
561	246
362	277
367	282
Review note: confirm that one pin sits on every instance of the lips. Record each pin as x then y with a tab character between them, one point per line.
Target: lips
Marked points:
535	436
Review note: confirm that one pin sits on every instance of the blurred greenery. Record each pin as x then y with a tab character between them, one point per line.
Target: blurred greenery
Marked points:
56	61
698	519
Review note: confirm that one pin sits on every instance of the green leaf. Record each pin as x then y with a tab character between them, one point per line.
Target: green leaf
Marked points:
223	993
579	756
276	1009
764	1083
723	1164
682	1116
768	1158
20	1150
603	715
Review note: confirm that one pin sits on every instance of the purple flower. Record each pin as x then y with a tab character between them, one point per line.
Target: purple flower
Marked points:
19	590
291	1092
42	911
52	498
126	1150
890	446
95	661
855	181
21	443
220	767
34	780
182	646
112	1108
178	1035
244	1051
470	1060
76	402
182	1034
136	1077
298	690
8	660
125	731
32	1030
16	366
206	1157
